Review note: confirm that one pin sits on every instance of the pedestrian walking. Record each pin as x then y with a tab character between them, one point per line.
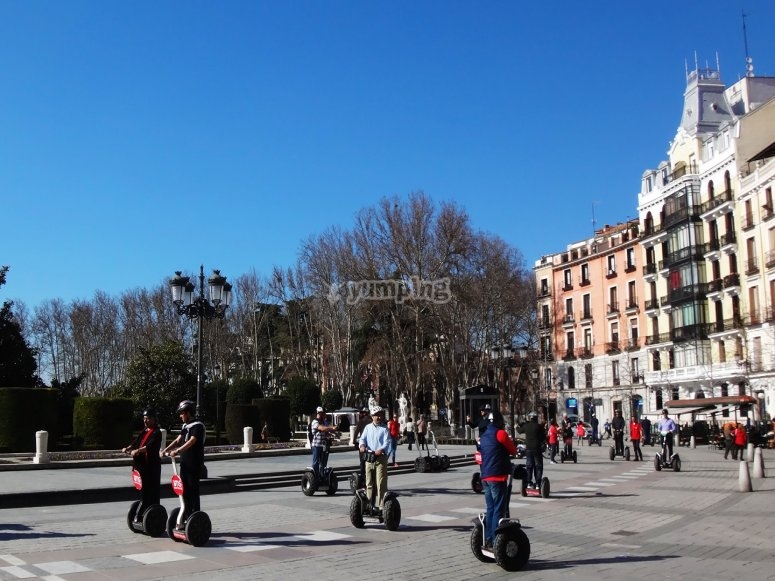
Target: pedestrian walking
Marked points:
635	436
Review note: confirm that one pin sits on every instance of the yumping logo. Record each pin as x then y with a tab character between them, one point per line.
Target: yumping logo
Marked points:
411	289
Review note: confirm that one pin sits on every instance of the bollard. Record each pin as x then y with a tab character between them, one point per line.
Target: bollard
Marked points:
758	464
744	481
749	452
247	432
692	443
352	435
41	448
163	439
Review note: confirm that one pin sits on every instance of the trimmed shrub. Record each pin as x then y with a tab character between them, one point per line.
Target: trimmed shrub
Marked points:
24	411
243	390
239	416
101	423
276	411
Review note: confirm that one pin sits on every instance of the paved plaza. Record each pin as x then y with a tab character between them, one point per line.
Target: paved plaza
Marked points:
604	520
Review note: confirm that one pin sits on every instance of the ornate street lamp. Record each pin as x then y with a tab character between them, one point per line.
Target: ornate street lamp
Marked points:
200	308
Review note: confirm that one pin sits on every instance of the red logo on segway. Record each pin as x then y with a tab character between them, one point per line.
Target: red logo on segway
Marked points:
478	457
177	485
137	480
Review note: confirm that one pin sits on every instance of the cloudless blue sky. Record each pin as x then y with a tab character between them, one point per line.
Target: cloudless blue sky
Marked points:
139	138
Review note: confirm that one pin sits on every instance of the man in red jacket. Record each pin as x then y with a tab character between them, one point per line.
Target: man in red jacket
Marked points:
635	436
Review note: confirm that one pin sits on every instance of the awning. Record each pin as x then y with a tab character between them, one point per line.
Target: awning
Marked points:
683	411
735	400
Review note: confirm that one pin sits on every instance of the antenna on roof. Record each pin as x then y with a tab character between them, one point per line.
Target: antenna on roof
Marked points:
748	58
594	222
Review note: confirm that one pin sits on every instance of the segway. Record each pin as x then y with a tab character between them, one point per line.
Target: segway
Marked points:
476	477
568	453
364	509
154	517
196	529
326	482
662	461
357	480
511	547
438	461
530	488
613	454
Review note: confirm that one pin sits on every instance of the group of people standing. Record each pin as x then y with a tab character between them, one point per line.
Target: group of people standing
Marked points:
735	439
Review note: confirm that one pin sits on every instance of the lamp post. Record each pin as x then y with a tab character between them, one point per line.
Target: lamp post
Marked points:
200	308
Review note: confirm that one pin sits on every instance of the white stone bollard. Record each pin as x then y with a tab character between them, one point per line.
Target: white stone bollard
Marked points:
41	448
749	452
758	464
352	435
247	432
744	480
692	443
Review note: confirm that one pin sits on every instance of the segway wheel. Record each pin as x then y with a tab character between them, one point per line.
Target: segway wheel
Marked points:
476	543
354	478
676	463
476	483
171	522
435	462
333	484
657	463
308	483
445	462
198	528
155	520
426	464
575	456
391	512
356	512
511	549
130	516
627	453
611	453
419	465
545	487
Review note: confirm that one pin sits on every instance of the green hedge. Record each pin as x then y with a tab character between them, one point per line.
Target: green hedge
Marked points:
24	411
239	416
103	424
276	411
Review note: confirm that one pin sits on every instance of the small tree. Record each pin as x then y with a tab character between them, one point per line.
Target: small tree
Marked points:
332	400
160	377
304	395
243	390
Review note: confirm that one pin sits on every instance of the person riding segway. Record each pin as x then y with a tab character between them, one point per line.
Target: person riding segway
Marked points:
375	502
147	515
666	459
497	537
188	523
535	437
618	449
319	476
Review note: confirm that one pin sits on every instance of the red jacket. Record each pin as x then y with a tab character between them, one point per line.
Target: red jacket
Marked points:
741	438
394	428
552	435
635	431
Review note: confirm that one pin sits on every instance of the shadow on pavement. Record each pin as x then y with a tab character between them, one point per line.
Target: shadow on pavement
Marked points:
542	565
10	532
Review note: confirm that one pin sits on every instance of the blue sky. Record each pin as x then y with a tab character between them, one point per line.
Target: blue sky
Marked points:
139	138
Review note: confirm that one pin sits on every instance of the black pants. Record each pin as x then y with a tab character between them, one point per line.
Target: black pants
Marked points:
534	462
619	442
151	491
410	439
421	441
636	450
729	446
190	477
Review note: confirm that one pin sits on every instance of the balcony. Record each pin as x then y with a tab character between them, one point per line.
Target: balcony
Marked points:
632	305
651	304
769	259
613	308
584	353
544	323
585	282
569	355
732	284
633	343
747	222
690	332
568	286
611	273
681	215
586	316
617	381
767	212
544	292
751	266
658	338
717	206
568	320
650	269
613	347
630	268
729	243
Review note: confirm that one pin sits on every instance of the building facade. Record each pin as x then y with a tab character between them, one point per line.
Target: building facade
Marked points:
680	303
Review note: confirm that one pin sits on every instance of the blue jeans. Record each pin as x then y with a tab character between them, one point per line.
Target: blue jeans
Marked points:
495	498
318	453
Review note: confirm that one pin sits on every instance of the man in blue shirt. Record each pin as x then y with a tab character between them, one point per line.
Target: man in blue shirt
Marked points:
667	428
376	439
